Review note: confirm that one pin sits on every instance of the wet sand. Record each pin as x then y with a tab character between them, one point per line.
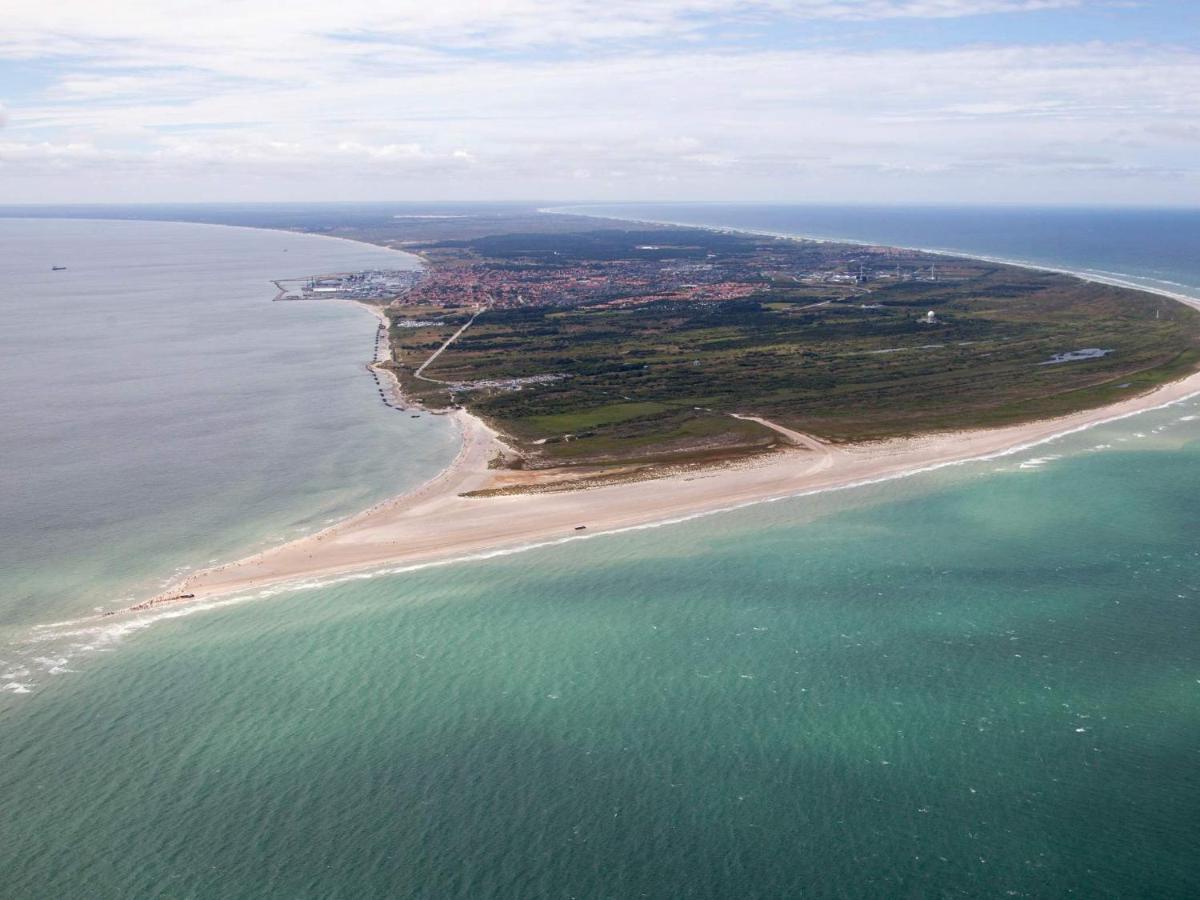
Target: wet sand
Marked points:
436	522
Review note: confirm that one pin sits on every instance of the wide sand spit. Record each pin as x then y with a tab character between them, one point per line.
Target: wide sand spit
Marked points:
437	522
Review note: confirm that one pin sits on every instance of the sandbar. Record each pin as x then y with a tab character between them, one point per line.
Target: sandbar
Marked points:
437	522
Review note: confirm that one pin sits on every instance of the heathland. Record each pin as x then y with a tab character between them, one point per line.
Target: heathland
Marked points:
610	375
591	343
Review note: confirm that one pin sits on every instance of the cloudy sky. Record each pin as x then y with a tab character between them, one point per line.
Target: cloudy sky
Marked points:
1054	101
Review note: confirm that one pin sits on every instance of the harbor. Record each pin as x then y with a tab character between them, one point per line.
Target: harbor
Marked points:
373	285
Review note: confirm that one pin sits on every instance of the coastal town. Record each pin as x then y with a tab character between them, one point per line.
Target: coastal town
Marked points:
589	344
687	266
715	269
370	286
599	343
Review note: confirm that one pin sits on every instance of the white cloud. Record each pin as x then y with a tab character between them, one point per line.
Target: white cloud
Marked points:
45	158
541	99
198	28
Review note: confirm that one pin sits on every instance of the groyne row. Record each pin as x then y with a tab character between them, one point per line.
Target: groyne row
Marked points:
386	385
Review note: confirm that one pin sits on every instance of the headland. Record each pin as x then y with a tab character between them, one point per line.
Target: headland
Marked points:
441	521
608	377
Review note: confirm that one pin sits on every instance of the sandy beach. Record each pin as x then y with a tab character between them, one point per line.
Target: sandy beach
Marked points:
436	522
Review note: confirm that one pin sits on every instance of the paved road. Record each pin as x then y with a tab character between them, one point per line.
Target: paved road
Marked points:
438	352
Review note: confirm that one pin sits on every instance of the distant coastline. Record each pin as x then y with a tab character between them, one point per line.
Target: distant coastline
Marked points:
436	524
1111	280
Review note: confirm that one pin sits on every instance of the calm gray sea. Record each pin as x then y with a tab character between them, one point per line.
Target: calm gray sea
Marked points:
159	411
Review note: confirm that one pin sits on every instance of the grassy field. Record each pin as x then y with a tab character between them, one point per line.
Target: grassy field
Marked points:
845	360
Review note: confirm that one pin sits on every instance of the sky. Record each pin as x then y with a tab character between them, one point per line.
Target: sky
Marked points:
1093	102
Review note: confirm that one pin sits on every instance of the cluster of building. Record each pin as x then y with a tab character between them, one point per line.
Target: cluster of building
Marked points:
848	274
1076	356
607	283
513	282
373	284
502	384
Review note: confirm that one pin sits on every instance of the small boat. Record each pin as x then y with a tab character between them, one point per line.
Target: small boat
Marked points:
416	417
57	268
580	527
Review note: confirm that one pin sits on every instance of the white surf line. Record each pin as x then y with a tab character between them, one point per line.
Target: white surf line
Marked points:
893	476
104	626
387	569
309	582
1084	275
99	635
114	630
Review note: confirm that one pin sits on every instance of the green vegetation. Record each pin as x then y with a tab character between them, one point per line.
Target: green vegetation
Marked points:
810	347
593	418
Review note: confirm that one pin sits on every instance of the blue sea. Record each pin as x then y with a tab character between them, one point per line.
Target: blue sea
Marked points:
1153	248
979	681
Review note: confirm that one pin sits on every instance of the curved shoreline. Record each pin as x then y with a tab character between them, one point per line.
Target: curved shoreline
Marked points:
1083	275
433	524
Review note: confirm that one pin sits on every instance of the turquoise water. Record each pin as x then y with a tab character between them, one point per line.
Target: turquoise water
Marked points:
977	681
159	411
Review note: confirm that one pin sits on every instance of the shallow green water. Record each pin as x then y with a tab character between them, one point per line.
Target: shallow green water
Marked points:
982	681
158	412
